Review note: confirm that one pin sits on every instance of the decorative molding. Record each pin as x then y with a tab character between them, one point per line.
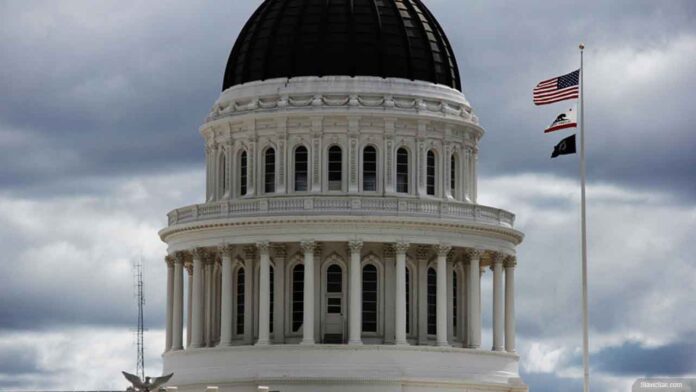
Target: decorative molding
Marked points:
263	247
473	253
422	252
511	262
443	249
308	246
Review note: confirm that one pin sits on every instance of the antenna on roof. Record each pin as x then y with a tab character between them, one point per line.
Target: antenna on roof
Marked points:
140	301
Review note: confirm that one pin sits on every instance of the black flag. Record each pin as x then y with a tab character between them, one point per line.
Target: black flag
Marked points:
565	147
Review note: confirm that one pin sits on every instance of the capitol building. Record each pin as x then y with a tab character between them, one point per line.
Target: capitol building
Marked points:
340	246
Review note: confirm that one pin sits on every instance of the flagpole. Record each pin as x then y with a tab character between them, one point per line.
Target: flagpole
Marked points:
583	174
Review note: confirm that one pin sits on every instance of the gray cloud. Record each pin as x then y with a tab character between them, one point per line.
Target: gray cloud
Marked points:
634	359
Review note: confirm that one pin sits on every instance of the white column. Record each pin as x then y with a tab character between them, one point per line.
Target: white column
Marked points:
279	256
510	304
170	302
498	313
178	304
197	305
264	293
227	295
208	294
308	312
355	289
189	270
442	251
473	299
400	331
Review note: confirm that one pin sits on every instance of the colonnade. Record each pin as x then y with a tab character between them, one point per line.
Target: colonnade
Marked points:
211	320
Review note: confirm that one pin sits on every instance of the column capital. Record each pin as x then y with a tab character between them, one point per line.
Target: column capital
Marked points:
498	258
226	250
401	247
355	246
200	253
473	253
422	252
510	262
189	267
169	259
308	246
180	257
443	249
263	247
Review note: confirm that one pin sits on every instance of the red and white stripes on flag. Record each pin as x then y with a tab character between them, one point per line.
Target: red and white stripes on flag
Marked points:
558	89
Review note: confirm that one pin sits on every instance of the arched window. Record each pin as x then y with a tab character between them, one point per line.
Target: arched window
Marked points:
334	279
408	300
402	170
453	175
269	171
432	301
335	168
369	298
223	173
430	175
301	168
454	303
369	169
240	301
243	173
297	297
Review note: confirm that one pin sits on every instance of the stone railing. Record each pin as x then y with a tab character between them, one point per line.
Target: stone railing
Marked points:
342	205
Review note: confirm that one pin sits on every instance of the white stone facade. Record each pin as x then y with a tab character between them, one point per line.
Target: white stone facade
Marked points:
340	247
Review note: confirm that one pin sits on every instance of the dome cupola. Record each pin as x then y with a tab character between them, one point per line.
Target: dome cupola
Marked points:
383	38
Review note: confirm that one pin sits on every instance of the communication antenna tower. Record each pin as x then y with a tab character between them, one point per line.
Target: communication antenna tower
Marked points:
140	301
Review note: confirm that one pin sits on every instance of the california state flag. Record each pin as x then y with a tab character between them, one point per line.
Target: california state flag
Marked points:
568	119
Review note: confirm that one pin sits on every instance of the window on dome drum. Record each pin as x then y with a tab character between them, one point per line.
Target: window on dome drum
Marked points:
240	301
430	175
223	173
369	298
369	169
402	170
454	303
432	301
243	174
453	174
408	300
297	297
269	171
270	308
334	279
335	168
301	167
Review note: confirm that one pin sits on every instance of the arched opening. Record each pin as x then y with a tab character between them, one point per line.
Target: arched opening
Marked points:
297	297
369	169
269	170
453	175
223	174
301	169
430	173
243	173
432	301
402	170
240	301
369	298
335	171
333	315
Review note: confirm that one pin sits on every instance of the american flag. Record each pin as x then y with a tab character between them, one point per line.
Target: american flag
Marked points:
557	89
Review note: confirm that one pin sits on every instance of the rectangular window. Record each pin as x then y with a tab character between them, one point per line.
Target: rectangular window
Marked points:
335	168
297	297
369	169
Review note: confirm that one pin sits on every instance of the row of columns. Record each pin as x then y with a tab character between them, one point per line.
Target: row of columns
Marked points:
201	303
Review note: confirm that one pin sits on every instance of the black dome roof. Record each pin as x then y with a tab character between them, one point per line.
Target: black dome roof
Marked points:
386	38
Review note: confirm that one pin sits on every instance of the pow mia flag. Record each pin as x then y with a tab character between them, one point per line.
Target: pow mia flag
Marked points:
565	147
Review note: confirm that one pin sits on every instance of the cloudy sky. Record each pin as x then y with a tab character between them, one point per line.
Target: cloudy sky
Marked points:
99	108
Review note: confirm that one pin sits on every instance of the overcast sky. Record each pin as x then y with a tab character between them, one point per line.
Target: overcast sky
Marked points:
100	103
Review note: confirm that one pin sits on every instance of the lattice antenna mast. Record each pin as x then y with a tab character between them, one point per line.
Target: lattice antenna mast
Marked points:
140	301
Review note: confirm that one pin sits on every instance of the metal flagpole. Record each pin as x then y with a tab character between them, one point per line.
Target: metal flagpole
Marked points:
583	218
